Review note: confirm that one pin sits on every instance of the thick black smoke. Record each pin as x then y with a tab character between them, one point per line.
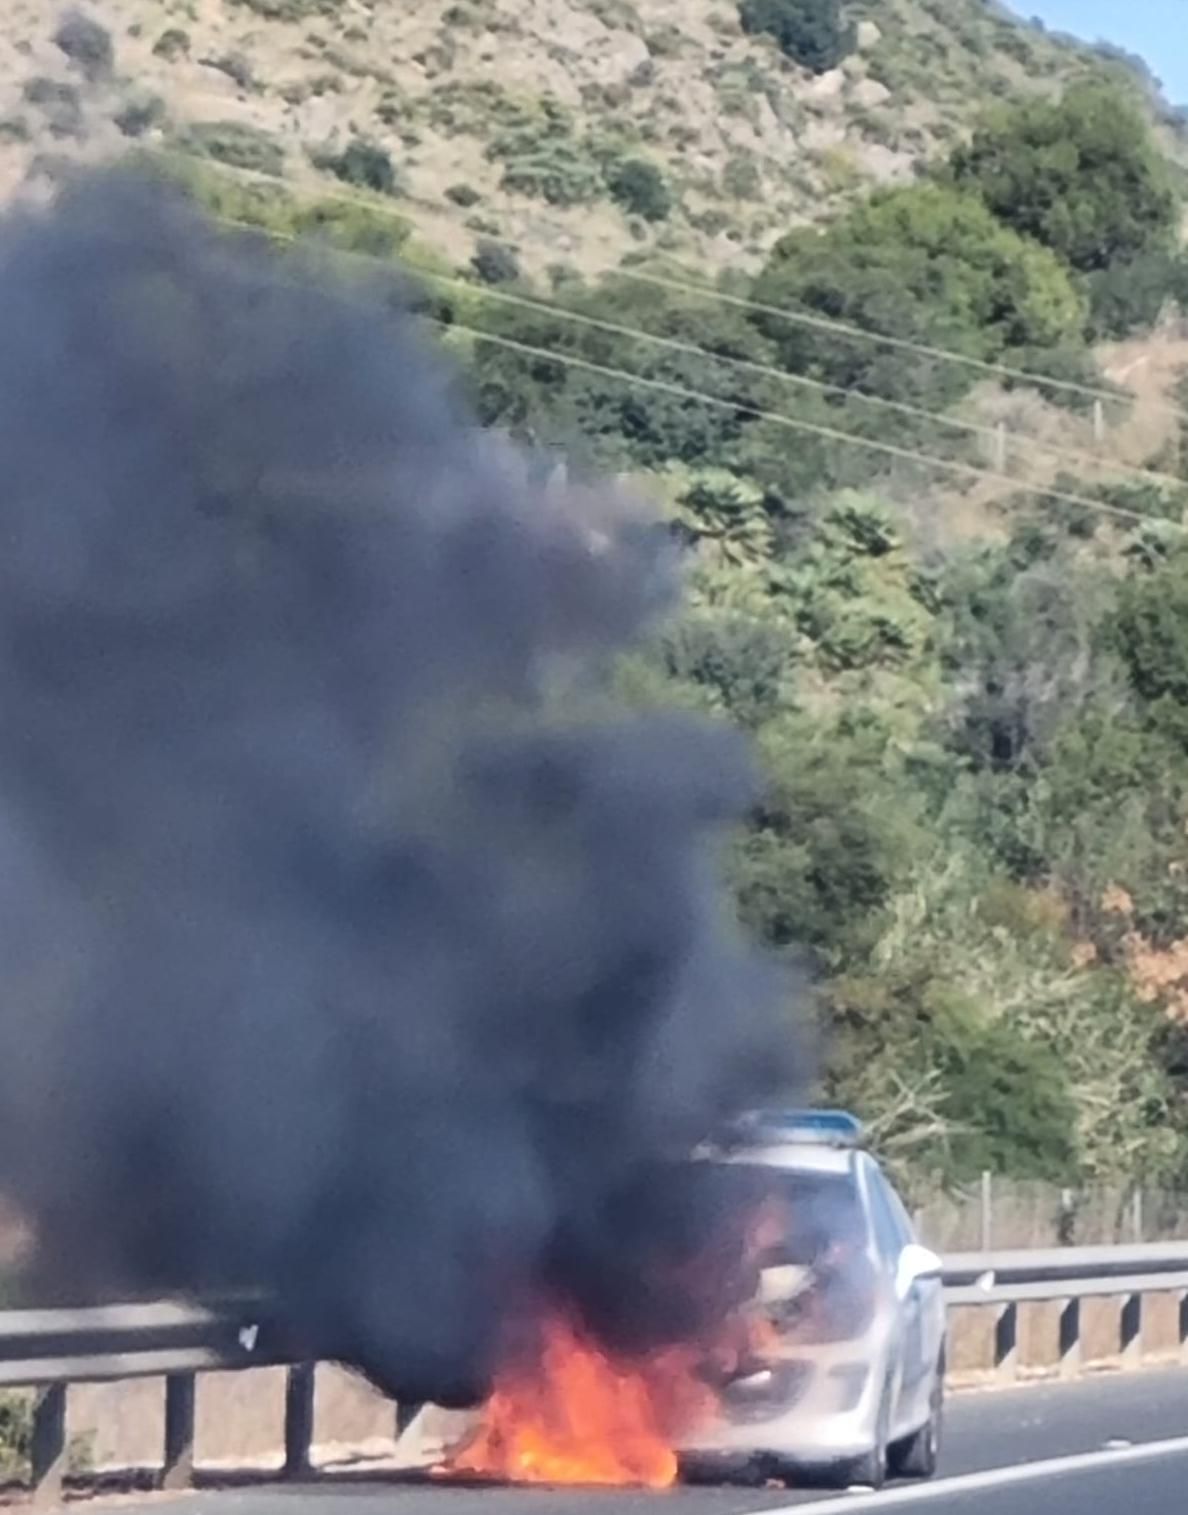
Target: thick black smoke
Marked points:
344	949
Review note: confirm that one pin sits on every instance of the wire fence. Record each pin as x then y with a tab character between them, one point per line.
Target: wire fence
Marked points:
1003	1214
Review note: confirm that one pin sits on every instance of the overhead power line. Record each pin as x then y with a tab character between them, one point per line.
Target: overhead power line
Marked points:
889	449
710	292
767	370
738	407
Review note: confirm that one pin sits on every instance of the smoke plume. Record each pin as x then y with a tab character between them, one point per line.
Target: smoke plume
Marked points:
350	946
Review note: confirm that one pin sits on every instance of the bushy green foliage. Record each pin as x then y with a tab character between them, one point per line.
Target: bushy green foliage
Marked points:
236	144
640	188
495	262
1151	631
810	32
1081	175
928	265
16	1433
87	44
364	164
291	10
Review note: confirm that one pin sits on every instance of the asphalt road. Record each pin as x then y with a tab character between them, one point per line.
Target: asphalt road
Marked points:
1113	1444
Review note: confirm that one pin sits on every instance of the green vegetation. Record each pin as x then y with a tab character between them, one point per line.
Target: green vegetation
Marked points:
640	188
16	1433
810	32
975	742
236	144
363	164
1080	175
926	264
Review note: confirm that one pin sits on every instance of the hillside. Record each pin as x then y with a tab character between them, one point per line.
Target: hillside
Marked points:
937	560
509	117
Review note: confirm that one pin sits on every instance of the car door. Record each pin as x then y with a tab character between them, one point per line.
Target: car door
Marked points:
930	1295
912	1376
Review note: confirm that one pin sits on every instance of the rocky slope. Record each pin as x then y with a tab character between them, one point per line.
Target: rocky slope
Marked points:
508	117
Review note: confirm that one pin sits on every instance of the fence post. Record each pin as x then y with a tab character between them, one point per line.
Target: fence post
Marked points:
1098	422
178	1467
987	1211
299	1408
1136	1214
1000	447
48	1452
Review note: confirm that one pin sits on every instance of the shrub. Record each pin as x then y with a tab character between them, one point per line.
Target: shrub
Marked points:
1083	175
1130	296
291	10
561	173
494	262
463	195
140	115
741	179
172	45
353	226
925	264
236	144
16	1433
87	44
362	163
640	189
236	67
810	32
60	104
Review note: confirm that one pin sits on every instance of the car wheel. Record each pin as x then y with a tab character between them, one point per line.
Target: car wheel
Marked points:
870	1471
918	1455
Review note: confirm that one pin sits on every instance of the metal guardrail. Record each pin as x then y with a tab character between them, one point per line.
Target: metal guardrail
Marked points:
1005	1281
50	1349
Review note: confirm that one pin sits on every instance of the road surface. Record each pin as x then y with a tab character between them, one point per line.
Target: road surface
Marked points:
1116	1444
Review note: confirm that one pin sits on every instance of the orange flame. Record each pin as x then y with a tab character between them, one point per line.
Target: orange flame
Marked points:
576	1415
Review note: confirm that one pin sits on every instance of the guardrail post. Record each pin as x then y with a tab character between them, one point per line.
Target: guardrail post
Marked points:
406	1413
178	1468
1070	1338
48	1452
1131	1330
299	1414
1006	1342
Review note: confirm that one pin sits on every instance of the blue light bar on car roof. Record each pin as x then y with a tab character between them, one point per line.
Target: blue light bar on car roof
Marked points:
818	1128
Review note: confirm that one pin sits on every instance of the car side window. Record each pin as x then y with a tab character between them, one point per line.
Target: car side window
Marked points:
899	1216
887	1234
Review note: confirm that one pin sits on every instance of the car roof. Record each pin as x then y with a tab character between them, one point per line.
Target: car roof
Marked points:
796	1157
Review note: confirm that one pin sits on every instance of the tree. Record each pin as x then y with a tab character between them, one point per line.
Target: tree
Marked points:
810	32
621	424
1081	175
1151	632
925	264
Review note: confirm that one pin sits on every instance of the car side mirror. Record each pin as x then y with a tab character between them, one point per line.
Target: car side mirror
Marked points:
916	1264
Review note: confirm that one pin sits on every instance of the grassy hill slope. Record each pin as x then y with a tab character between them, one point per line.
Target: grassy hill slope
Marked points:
511	117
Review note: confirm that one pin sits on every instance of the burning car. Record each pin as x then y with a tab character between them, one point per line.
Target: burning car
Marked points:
824	1355
844	1376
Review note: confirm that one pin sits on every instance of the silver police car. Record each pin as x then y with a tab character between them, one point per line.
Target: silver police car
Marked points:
844	1378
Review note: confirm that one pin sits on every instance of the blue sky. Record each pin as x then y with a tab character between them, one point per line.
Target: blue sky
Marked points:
1156	29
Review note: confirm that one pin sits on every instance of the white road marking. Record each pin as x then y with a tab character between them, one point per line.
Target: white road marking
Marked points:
992	1478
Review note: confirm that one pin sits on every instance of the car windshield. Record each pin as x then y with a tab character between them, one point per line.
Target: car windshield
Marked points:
809	1259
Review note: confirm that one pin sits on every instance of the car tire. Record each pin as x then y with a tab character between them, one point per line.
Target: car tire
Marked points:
870	1471
917	1456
